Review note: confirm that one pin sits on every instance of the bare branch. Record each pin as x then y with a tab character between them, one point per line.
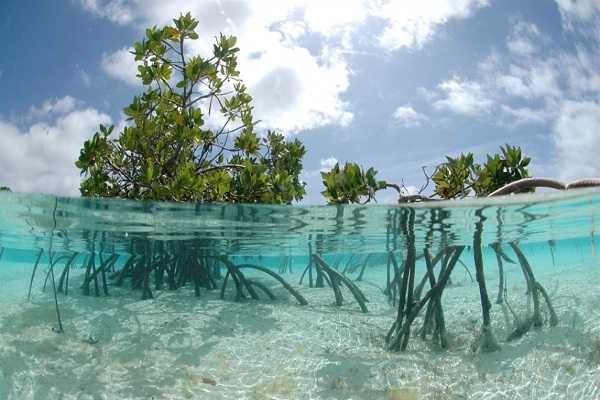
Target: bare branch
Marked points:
528	183
427	177
415	198
583	183
217	167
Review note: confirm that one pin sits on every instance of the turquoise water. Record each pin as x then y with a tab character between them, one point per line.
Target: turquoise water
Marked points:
114	299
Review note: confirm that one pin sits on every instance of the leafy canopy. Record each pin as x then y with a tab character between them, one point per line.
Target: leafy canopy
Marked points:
454	177
350	184
458	176
191	133
4	189
502	169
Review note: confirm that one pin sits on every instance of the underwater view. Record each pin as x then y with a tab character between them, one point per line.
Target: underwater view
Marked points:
118	299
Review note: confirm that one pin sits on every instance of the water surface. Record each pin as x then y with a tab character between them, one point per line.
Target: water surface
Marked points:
186	340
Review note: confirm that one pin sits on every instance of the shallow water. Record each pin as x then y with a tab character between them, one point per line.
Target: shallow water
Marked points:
190	338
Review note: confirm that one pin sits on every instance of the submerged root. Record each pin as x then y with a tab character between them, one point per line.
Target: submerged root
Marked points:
497	250
63	281
286	285
535	289
262	287
336	278
553	316
240	279
399	333
522	327
486	342
35	266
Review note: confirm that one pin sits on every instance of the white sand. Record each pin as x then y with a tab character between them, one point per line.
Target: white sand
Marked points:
179	347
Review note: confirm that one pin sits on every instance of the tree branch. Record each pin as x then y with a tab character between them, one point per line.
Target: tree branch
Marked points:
217	167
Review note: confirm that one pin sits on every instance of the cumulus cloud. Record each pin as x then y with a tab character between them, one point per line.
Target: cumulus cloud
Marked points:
581	16
532	84
115	10
407	117
412	23
463	97
522	115
577	140
53	107
294	91
41	156
121	65
328	163
537	79
583	10
523	39
582	71
522	86
567	85
294	88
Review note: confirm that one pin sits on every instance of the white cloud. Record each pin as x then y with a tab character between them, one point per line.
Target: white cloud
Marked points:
520	86
409	190
523	39
577	140
533	83
328	163
294	88
523	115
531	80
463	97
41	157
559	88
53	107
121	65
582	70
294	91
582	16
426	94
332	16
85	78
412	23
581	9
115	10
406	116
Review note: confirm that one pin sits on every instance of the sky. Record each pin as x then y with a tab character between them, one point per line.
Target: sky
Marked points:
393	84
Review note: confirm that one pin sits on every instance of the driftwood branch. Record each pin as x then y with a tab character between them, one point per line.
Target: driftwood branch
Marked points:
529	183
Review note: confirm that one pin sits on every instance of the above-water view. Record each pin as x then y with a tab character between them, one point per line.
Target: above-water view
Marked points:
118	299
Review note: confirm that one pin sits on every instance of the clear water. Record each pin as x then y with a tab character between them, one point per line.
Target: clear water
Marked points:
185	340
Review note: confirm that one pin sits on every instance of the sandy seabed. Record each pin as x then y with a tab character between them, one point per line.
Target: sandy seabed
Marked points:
176	346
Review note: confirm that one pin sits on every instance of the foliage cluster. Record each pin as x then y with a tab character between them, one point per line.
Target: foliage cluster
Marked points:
175	147
457	177
350	184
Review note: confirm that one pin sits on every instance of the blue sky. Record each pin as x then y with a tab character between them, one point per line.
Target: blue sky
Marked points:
391	84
